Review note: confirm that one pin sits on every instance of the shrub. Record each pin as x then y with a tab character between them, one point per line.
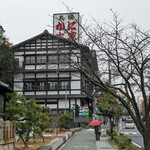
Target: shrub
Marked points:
65	120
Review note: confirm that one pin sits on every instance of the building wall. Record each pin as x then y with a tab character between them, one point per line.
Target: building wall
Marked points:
47	59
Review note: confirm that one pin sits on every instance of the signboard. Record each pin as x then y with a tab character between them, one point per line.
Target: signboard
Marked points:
66	25
83	111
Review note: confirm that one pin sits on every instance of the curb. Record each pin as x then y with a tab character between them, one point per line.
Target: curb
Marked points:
58	142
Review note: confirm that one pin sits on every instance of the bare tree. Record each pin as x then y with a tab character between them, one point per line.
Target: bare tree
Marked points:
127	51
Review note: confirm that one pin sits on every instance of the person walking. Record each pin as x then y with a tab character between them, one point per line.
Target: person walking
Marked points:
97	130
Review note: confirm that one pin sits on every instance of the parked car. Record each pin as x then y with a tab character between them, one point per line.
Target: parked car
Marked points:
129	123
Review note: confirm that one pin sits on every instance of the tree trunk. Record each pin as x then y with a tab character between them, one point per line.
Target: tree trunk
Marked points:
117	125
146	139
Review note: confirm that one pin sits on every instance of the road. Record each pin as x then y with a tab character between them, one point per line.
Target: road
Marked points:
133	134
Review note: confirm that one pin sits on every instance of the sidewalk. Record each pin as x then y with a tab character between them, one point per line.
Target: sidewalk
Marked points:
104	143
85	140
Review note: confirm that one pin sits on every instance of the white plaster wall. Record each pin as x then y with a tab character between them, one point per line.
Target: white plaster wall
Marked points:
21	93
41	93
40	66
52	66
63	92
62	66
41	75
18	77
18	86
78	102
29	67
76	51
29	75
64	74
41	52
75	85
29	93
32	52
62	103
52	106
76	92
21	58
52	92
52	75
75	76
18	53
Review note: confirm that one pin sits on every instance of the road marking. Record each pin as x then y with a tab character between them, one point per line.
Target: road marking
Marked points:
137	145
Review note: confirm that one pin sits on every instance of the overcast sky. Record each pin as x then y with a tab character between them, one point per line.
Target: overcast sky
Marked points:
23	19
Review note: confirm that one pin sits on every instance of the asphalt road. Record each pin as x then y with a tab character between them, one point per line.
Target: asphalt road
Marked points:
133	134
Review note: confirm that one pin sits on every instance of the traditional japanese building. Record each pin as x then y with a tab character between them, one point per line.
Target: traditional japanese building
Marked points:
47	73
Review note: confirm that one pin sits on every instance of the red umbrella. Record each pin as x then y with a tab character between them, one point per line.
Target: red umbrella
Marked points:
95	123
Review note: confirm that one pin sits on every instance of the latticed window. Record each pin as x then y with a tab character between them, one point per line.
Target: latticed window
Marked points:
53	85
64	84
64	58
41	59
53	58
28	86
41	85
30	59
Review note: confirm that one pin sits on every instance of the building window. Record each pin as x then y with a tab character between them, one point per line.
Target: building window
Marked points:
30	59
1	104
53	85
41	85
53	58
28	86
41	59
63	58
64	84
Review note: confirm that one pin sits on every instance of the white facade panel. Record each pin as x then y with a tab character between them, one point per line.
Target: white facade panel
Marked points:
64	92
21	58
62	66
76	51
75	85
18	77
32	52
29	67
41	93
52	106
52	51
40	75
79	102
64	74
18	86
75	76
21	93
18	53
41	52
52	92
52	66
40	66
62	103
76	92
29	93
29	75
52	75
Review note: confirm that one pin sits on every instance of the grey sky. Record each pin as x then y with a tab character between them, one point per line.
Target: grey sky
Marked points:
23	19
